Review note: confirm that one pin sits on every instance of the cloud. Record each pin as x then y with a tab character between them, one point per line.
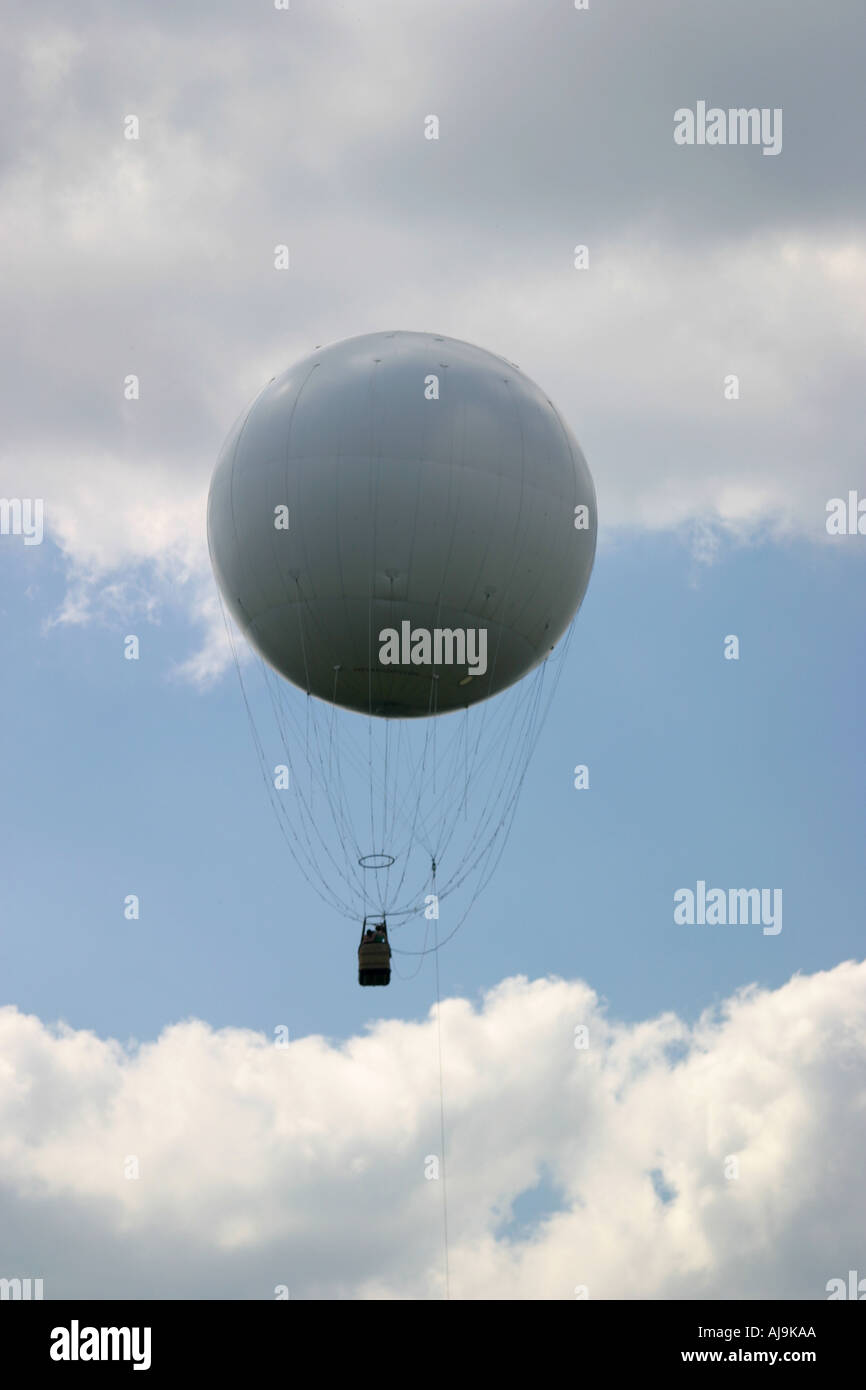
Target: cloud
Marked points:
155	257
305	1165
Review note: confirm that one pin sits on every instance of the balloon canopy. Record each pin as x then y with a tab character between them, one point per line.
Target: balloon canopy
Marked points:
402	524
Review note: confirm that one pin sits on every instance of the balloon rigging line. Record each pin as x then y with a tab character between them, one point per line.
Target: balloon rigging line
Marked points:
523	718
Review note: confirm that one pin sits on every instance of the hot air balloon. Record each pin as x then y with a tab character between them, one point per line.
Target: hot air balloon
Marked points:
403	527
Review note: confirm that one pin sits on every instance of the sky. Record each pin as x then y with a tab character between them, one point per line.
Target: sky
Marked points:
201	1102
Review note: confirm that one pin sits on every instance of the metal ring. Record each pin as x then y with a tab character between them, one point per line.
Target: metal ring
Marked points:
376	861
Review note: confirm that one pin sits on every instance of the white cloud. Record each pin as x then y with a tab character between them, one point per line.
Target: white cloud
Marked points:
154	257
305	1165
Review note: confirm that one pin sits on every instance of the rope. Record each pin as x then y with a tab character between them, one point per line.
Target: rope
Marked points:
441	1088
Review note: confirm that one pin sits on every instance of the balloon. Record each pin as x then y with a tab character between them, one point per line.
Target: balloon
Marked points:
402	524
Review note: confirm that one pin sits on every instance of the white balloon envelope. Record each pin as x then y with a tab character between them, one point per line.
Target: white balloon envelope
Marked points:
403	526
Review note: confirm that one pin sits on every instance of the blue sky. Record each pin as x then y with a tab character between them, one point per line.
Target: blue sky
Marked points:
121	777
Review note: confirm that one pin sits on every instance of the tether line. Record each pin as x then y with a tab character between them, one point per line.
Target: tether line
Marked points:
441	1086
